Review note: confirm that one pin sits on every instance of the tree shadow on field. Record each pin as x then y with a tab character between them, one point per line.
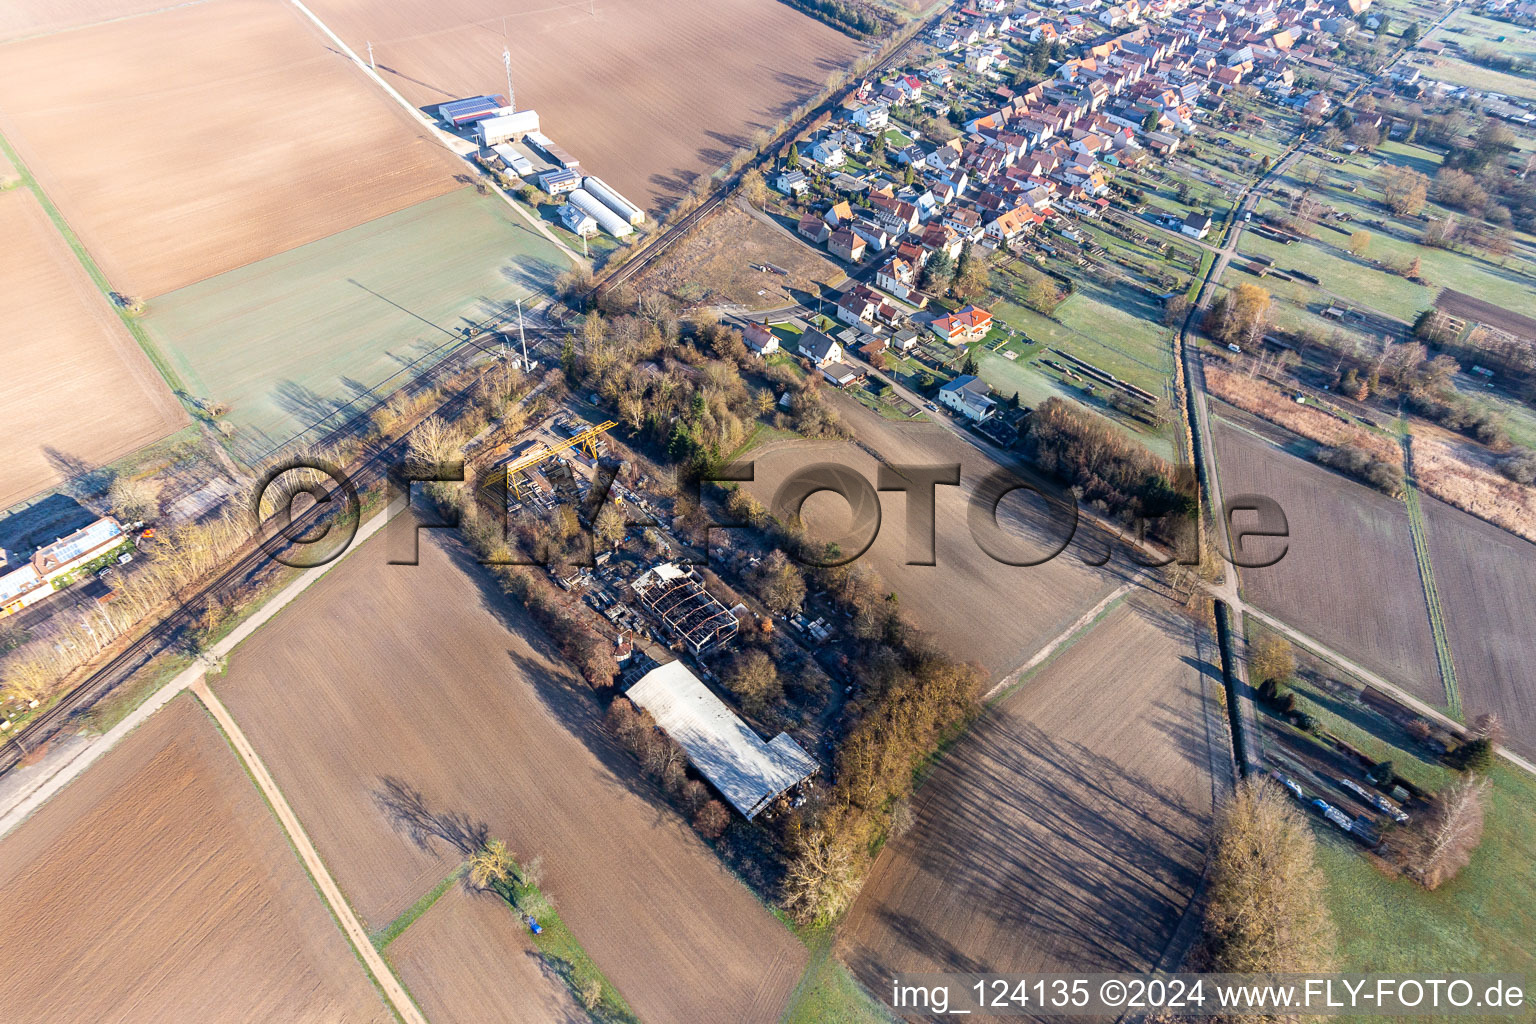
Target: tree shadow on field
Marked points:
82	479
408	812
1067	858
559	690
304	404
532	273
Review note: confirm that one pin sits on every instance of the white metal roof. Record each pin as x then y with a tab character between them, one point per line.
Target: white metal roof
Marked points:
747	772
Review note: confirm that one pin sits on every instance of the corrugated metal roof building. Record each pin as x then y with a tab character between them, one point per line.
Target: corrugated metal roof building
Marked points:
606	219
610	198
749	773
466	111
506	125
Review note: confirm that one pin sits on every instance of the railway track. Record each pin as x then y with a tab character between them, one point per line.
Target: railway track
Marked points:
370	469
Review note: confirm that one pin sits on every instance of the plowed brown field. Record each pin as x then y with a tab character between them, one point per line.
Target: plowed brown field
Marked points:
203	137
1348	577
1066	830
21	18
978	609
159	888
646	93
382	681
1484	577
76	388
468	960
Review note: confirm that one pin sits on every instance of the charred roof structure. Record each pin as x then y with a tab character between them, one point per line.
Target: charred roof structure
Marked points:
677	597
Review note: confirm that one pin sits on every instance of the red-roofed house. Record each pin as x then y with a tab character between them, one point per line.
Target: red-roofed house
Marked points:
964	325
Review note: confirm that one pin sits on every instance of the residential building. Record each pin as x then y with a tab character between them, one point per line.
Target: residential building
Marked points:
791	182
969	396
760	339
846	245
964	325
819	348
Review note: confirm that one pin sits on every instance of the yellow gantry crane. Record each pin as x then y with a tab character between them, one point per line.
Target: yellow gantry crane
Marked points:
585	441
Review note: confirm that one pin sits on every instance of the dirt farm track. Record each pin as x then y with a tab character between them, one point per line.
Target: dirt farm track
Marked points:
1065	830
158	888
1348	576
393	701
65	350
199	138
646	93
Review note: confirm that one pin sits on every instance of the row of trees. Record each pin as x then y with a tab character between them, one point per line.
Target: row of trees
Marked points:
1443	836
912	697
664	761
1105	467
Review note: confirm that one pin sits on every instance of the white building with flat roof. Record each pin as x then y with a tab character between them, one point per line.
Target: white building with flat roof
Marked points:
749	773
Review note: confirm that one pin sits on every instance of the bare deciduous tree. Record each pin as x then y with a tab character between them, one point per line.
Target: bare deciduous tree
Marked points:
1266	911
1441	842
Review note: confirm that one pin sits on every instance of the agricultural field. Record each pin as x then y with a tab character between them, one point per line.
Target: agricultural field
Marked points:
469	959
648	95
1348	576
77	391
1386	923
955	599
1066	829
301	337
198	909
715	264
1484	577
443	711
288	143
23	18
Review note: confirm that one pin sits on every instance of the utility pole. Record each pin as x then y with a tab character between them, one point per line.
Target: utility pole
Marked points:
522	335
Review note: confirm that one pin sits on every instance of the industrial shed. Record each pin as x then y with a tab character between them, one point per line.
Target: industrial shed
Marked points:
515	162
688	611
506	125
606	219
749	773
467	111
613	200
546	146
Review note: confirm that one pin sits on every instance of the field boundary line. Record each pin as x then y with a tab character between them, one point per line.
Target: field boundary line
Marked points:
396	928
1052	646
1375	679
442	137
136	330
80	760
394	990
1417	530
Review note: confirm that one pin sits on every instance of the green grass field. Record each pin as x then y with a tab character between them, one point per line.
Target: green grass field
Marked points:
1351	279
1394	243
292	340
1115	328
1480	921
